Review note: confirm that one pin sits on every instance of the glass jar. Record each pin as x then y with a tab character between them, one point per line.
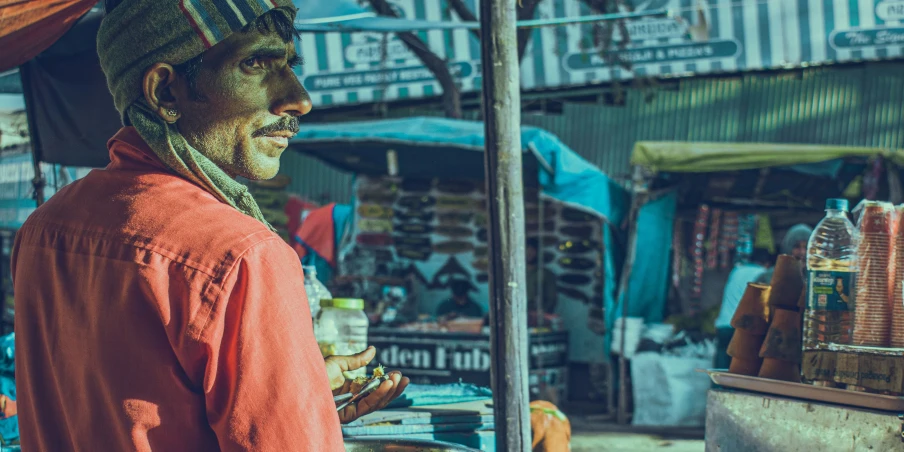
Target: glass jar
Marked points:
341	328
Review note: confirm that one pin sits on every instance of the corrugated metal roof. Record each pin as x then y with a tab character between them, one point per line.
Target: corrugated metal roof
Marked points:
854	106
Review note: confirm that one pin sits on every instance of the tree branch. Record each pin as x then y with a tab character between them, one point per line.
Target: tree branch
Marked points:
465	14
525	12
433	63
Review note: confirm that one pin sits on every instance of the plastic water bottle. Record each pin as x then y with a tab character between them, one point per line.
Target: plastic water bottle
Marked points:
314	289
831	270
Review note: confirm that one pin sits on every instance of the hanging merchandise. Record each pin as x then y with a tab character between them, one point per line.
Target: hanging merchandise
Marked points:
713	241
872	178
728	239
746	230
697	249
677	254
764	238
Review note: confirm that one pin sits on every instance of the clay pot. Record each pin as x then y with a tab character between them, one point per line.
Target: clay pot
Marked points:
749	367
776	369
752	314
783	341
787	283
744	345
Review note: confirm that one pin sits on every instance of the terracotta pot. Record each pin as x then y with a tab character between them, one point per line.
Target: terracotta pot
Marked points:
745	345
783	341
776	369
745	366
787	283
752	314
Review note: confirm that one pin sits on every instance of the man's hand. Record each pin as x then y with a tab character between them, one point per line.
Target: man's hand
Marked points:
377	400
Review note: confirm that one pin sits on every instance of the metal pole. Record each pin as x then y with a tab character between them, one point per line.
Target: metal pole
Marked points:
638	198
36	150
505	196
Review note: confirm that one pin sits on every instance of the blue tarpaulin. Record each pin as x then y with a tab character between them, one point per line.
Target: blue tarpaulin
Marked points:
648	283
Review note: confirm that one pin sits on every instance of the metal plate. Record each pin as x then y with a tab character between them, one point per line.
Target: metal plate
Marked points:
410	215
803	391
414	228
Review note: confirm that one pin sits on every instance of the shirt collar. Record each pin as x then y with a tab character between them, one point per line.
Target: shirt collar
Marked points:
128	151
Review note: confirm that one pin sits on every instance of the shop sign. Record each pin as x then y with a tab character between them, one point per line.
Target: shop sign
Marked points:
384	77
890	10
449	357
864	38
663	54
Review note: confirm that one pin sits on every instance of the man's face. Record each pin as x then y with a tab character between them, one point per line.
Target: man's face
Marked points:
247	106
800	250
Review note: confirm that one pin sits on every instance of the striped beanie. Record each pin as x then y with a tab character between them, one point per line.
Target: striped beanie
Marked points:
140	33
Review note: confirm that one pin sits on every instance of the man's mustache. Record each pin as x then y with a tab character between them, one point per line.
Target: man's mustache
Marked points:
287	124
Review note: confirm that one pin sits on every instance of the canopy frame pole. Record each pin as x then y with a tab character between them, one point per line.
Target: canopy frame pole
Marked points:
639	195
505	196
38	182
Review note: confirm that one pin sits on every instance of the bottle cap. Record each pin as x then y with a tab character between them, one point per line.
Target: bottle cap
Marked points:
343	303
837	204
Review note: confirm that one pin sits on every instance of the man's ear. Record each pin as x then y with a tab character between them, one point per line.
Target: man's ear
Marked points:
158	93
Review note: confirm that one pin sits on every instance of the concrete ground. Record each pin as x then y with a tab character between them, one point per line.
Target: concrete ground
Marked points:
631	442
592	434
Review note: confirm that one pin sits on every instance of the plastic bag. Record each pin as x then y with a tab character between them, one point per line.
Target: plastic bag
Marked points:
668	391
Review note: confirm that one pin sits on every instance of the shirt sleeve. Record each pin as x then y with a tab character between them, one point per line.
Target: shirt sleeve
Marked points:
265	383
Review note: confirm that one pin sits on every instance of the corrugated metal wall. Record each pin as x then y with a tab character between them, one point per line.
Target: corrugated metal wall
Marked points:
855	105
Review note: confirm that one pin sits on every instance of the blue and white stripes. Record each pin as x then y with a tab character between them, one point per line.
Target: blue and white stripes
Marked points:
711	36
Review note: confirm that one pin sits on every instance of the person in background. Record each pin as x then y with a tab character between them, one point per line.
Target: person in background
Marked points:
794	244
549	292
460	305
742	274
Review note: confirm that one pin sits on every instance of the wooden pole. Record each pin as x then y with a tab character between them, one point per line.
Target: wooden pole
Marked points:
505	196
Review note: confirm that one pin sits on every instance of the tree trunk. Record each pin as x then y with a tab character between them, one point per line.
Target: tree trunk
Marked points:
525	12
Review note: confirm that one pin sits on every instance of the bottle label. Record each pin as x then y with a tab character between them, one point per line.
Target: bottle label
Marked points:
830	290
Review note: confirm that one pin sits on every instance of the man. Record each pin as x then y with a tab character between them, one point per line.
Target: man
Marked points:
742	274
460	305
155	308
794	243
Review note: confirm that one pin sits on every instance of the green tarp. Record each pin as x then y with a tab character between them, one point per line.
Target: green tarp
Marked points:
694	157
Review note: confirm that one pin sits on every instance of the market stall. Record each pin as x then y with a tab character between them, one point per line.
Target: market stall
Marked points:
420	224
720	201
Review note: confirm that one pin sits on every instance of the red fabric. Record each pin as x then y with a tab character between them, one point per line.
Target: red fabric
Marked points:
27	28
294	208
151	316
318	231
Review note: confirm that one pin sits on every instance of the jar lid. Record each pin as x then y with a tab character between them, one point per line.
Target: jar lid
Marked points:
343	303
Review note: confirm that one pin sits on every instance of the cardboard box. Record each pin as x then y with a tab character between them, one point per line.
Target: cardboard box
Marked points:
877	369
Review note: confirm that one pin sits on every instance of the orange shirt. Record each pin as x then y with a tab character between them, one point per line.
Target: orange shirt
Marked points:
151	316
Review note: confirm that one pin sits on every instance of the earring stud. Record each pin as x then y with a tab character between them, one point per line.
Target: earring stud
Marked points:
172	112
